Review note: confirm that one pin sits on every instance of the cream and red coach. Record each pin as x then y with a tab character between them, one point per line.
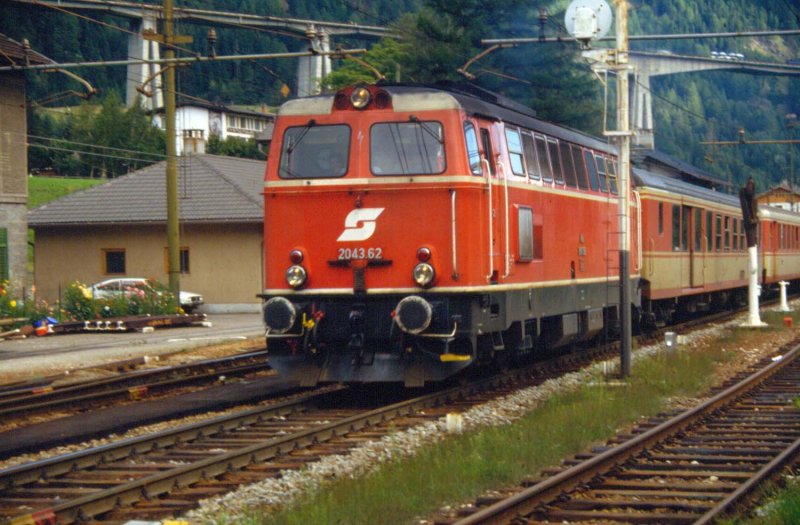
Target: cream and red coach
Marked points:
412	231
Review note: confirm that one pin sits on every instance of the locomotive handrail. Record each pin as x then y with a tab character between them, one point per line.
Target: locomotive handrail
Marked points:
453	231
639	258
506	252
485	162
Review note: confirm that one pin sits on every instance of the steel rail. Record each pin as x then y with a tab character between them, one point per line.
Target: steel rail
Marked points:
114	387
83	508
526	501
31	472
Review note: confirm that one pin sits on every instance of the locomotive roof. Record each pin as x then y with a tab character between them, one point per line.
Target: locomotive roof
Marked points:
471	99
644	178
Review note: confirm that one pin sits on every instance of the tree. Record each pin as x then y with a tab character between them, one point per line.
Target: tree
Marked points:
107	140
234	147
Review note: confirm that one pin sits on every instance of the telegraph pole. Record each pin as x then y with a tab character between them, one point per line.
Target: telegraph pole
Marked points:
173	232
169	40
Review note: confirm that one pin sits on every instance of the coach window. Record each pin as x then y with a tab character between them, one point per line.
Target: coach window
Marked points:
407	148
568	164
742	236
515	151
676	228
709	231
529	150
314	152
735	235
592	170
544	158
686	212
718	236
660	218
601	172
473	152
727	234
555	160
580	168
114	261
698	230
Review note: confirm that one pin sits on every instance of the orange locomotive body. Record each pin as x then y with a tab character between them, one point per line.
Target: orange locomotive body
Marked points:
413	231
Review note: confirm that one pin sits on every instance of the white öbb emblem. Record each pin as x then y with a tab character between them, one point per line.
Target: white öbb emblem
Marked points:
360	224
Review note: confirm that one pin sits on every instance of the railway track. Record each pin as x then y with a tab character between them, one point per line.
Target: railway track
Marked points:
166	474
691	468
24	402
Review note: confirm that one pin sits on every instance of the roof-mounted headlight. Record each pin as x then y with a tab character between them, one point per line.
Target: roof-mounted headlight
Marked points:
360	97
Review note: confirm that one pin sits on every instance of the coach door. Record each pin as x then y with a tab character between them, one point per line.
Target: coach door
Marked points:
694	218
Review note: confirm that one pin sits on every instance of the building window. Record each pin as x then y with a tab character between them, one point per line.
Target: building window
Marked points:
4	272
184	259
114	261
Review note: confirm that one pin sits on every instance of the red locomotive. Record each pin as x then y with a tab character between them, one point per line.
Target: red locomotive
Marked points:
413	231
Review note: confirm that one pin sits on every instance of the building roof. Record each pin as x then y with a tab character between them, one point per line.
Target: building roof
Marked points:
784	188
211	189
12	53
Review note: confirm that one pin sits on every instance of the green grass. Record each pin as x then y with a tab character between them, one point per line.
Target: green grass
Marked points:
465	466
781	507
42	190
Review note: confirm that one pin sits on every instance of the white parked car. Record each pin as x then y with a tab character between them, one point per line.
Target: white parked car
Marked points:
110	287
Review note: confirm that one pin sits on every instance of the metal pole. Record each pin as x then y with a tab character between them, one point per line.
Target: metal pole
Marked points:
623	127
173	233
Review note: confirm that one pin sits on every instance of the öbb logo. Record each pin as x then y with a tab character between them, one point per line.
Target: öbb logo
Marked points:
360	224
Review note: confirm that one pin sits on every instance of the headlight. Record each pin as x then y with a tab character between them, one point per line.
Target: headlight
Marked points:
296	276
424	274
360	97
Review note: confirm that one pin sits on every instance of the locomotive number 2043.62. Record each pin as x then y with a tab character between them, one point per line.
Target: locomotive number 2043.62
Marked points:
346	254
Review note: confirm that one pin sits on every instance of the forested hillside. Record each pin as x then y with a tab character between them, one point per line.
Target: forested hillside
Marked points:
438	36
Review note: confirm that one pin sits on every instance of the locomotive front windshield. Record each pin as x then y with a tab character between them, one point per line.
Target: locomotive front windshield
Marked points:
315	152
407	148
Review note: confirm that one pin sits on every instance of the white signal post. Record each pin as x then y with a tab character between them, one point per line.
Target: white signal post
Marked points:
589	20
623	133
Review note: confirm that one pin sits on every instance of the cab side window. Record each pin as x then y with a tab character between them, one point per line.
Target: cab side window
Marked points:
473	152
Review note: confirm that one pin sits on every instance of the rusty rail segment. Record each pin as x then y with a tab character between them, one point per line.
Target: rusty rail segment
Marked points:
689	469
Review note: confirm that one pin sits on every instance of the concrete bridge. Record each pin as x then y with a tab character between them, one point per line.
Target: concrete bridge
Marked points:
143	18
647	65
